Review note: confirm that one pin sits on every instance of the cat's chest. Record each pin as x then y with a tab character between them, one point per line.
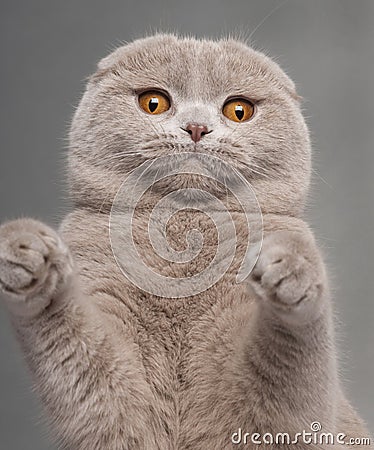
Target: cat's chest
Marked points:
169	330
190	247
186	347
189	362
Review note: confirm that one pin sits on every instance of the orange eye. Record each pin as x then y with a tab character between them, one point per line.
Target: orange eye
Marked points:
154	102
238	109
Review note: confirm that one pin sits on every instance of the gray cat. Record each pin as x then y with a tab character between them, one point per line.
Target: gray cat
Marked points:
119	368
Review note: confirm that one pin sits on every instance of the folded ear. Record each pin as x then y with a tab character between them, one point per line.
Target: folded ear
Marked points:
108	64
112	59
284	79
266	64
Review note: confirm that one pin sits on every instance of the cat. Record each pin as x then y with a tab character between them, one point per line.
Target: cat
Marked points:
117	367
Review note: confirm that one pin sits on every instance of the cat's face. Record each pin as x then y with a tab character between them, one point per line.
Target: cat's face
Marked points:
147	97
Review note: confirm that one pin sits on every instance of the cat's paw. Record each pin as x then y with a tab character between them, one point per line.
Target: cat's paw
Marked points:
289	275
34	265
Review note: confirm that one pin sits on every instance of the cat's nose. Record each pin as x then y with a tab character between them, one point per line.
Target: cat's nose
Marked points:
196	131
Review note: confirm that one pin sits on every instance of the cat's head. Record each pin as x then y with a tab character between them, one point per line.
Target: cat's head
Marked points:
163	94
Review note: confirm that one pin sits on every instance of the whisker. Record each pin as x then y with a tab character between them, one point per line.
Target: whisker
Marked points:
258	173
321	178
103	202
154	180
226	187
258	166
124	154
280	5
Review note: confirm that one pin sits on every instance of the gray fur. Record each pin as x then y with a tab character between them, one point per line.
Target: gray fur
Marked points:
118	368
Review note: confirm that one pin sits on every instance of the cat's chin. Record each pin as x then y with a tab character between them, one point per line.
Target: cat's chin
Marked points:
189	188
191	179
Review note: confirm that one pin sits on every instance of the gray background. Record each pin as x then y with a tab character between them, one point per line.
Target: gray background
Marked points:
49	47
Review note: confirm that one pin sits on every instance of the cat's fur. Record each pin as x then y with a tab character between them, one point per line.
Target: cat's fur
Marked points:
118	368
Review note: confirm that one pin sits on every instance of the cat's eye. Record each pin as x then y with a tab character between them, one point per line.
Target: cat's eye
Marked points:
154	102
238	109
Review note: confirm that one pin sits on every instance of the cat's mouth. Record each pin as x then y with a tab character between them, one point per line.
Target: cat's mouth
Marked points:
194	175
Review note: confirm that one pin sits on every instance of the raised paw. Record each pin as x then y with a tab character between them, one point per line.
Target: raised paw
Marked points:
34	265
289	274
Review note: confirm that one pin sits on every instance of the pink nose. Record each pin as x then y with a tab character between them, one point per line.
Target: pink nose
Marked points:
196	131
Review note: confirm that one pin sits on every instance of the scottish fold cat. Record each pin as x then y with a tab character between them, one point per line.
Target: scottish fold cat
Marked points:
118	367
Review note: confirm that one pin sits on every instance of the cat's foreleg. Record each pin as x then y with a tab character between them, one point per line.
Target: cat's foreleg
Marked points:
85	377
290	353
